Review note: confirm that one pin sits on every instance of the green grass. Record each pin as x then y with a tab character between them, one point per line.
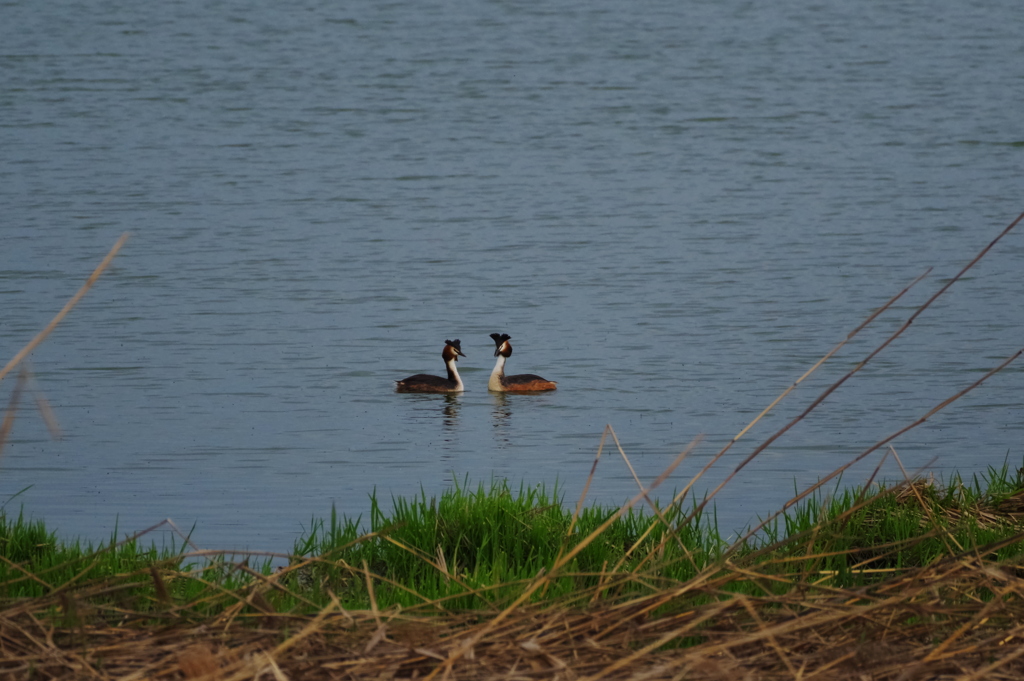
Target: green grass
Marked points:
471	548
34	562
853	539
481	548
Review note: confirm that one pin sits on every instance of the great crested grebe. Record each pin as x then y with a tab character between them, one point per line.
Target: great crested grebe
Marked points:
520	383
425	383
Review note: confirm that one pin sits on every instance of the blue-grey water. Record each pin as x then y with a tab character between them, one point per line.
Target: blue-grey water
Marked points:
674	208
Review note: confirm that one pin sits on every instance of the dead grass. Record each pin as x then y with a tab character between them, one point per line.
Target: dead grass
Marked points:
960	618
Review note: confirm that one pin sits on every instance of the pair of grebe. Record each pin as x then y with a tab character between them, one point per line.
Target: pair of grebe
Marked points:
499	382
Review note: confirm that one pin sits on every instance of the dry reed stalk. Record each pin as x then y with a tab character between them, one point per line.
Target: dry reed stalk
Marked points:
764	412
835	386
41	336
42	404
590	479
12	408
878	445
653	506
24	375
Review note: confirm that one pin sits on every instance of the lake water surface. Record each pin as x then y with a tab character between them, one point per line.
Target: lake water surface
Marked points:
674	208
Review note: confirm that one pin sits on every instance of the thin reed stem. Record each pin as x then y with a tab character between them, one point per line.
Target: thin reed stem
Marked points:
850	336
835	386
41	336
881	443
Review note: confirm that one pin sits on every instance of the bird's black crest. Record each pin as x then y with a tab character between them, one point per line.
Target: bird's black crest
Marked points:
457	344
500	338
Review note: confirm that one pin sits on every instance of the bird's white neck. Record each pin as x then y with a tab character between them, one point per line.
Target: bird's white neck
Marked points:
453	373
497	374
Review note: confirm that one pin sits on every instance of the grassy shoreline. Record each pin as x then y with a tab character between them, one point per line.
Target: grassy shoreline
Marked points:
476	548
474	578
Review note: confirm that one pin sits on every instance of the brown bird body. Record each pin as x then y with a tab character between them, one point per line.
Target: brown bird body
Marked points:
519	383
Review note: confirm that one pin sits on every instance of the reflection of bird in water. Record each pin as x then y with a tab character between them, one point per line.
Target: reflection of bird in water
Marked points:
502	410
520	383
451	410
426	383
502	414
